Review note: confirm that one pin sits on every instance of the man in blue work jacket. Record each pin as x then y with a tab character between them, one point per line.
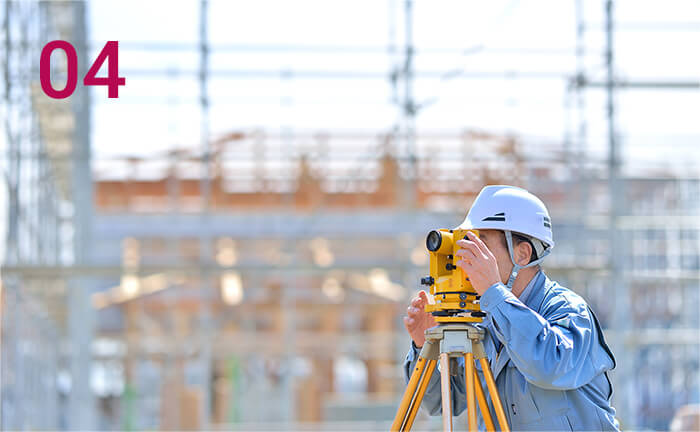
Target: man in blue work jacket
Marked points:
544	344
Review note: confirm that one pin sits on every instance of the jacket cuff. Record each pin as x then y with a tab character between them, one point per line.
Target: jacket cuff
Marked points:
495	295
415	349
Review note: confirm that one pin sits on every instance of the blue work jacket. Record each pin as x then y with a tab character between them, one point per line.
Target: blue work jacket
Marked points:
548	357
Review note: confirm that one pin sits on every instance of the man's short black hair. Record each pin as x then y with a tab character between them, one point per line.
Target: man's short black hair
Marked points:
519	238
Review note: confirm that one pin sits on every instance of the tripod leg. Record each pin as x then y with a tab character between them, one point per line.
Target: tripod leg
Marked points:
408	394
469	379
493	391
422	387
483	405
446	394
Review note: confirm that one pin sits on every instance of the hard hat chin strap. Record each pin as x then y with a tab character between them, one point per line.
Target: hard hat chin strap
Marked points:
517	267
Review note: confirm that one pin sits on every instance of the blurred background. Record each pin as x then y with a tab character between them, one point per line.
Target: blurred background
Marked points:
231	244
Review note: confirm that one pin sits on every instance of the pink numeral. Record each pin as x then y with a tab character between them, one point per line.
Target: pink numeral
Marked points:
110	52
71	69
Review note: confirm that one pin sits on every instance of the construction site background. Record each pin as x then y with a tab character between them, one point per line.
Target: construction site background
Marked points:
231	244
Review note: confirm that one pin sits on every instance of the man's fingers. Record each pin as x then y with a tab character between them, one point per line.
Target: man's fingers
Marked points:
468	244
479	243
466	253
423	296
473	247
416	309
465	265
413	312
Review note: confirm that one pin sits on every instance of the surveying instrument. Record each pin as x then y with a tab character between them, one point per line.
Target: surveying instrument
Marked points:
456	311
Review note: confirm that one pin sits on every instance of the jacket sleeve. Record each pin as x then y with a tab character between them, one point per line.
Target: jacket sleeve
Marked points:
551	353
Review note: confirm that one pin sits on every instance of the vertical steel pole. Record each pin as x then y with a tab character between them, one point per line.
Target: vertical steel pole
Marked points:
205	242
409	114
81	409
582	128
618	283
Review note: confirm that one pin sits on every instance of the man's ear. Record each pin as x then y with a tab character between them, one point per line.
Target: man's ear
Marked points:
522	253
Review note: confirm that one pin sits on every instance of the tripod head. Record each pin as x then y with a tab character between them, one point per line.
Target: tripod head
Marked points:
455	298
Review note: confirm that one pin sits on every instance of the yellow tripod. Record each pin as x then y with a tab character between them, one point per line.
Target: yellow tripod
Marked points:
443	342
456	311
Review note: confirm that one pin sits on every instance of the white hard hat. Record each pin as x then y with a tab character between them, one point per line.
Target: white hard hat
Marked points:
512	209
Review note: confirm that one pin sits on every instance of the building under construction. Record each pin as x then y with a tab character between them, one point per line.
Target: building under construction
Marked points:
255	279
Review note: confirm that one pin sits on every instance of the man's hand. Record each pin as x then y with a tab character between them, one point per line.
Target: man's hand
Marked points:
418	321
478	263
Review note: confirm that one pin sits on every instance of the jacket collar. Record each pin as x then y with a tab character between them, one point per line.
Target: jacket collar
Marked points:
534	300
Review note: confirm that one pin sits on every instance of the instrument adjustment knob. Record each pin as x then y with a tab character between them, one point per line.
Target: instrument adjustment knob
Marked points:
428	280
